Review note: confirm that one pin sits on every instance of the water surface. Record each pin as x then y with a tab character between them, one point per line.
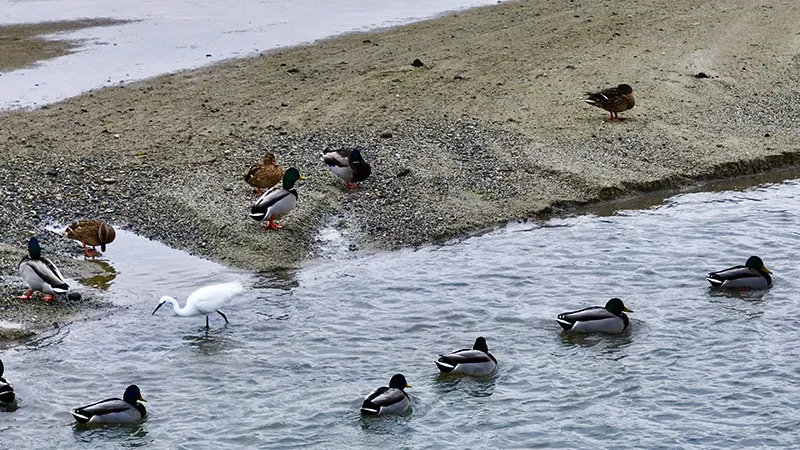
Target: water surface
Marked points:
170	35
698	369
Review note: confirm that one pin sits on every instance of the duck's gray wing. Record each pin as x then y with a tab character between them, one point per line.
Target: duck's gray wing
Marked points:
339	158
385	400
466	356
275	194
111	410
47	272
738	277
586	314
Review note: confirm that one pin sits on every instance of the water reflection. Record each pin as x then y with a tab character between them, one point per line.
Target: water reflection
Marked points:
445	383
210	343
102	282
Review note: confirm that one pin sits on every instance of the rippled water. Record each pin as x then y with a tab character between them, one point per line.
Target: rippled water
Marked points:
699	369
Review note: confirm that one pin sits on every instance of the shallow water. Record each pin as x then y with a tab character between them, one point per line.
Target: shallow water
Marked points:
170	35
698	369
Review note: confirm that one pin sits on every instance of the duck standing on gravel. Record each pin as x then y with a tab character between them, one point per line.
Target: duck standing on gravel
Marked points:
7	395
752	275
264	175
277	201
597	319
40	274
614	100
92	232
348	165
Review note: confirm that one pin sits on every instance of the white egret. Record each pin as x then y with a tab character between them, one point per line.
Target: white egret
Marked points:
204	301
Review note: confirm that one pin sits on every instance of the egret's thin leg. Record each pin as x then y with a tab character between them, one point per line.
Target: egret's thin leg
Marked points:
223	316
207	322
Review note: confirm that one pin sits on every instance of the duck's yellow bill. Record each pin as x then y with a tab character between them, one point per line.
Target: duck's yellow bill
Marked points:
408	385
766	270
626	309
141	399
303	177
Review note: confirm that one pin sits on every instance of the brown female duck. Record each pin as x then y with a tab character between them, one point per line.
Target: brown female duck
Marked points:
92	232
264	175
614	100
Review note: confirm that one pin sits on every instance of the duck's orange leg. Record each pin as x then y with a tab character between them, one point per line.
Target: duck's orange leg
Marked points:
26	296
49	298
351	185
272	225
90	253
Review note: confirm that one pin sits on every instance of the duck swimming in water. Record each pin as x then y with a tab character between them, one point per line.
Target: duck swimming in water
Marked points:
752	275
7	395
388	400
597	319
40	274
476	361
113	410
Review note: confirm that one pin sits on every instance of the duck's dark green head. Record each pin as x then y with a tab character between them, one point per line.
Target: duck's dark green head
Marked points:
755	263
34	250
290	177
616	307
133	395
399	382
480	344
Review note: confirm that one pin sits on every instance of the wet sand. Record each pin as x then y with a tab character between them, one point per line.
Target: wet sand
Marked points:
491	129
25	45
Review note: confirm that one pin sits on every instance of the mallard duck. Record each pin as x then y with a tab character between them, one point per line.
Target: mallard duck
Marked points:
264	175
597	319
752	275
41	274
477	361
92	232
348	165
7	396
277	201
113	410
614	100
388	400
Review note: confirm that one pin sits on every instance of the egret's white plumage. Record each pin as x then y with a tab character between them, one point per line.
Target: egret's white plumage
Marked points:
205	300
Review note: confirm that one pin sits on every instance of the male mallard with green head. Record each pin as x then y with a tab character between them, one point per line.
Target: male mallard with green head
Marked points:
40	274
752	275
277	201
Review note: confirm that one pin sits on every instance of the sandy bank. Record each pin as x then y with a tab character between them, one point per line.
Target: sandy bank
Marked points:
507	138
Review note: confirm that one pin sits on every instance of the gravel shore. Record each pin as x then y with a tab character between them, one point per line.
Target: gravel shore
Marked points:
491	128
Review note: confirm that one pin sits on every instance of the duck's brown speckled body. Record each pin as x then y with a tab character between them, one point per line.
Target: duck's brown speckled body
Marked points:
614	100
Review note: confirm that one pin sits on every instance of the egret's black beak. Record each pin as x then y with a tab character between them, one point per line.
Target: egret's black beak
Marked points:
159	306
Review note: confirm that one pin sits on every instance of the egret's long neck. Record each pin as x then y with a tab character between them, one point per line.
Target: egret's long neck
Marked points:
178	310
